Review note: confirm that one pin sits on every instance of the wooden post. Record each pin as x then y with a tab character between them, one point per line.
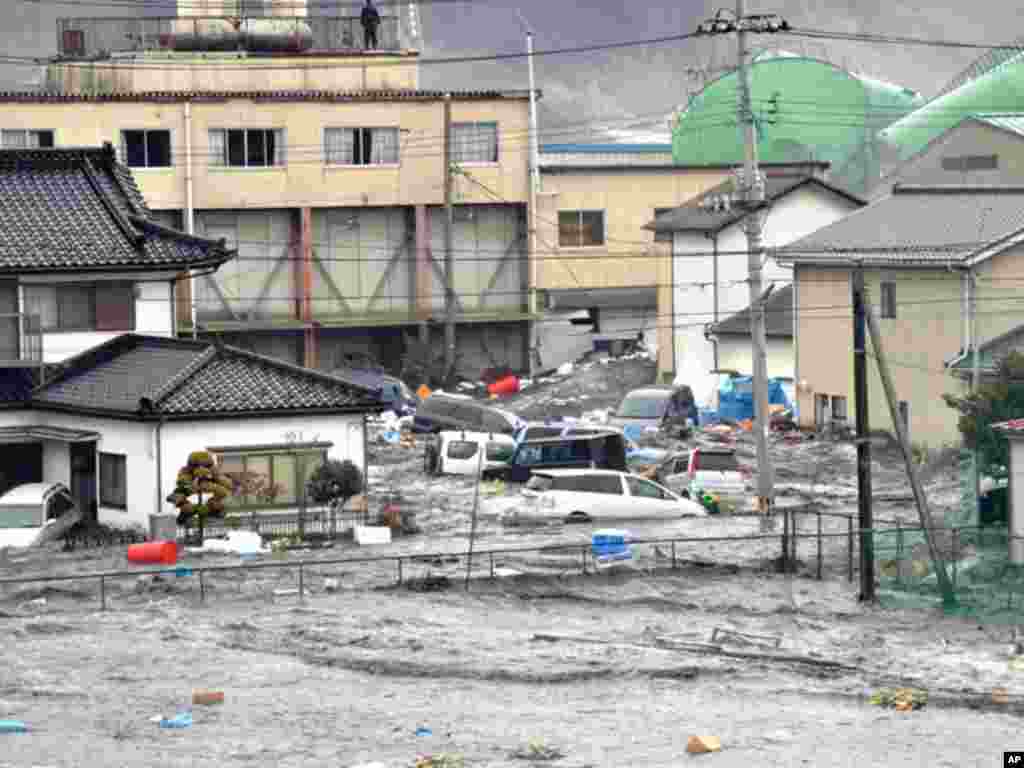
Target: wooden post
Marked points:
945	587
103	594
860	386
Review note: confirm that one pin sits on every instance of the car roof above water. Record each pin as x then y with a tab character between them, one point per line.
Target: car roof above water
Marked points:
570	472
29	493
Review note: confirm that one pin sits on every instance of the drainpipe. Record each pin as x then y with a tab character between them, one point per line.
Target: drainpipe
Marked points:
189	211
714	288
158	438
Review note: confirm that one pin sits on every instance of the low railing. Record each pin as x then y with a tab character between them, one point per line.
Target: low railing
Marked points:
21	340
87	37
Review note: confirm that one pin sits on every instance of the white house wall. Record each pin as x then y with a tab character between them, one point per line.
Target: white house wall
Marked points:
131	439
154	309
180	438
794	216
1016	502
735	353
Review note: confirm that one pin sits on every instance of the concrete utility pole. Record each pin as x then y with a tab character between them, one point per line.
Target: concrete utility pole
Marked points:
860	387
534	304
449	277
754	198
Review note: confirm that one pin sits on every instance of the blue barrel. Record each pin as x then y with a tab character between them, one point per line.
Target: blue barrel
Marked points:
607	545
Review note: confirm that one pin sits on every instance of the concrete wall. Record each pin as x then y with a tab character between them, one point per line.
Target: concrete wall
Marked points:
794	216
1016	501
735	353
305	180
198	72
630	256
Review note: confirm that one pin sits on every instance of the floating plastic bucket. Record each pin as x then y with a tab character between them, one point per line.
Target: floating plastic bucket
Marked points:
163	552
506	386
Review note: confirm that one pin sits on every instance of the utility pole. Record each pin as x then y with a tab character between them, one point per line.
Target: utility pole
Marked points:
534	304
860	387
972	288
449	277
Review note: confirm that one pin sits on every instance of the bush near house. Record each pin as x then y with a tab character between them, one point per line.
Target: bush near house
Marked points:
1001	398
335	482
200	490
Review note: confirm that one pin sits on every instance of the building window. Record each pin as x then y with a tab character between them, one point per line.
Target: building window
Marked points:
22	139
888	300
578	229
146	149
113	480
72	307
249	148
966	163
272	477
361	146
838	408
474	142
662	237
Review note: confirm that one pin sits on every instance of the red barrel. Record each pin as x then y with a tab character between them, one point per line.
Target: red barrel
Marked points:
506	386
165	552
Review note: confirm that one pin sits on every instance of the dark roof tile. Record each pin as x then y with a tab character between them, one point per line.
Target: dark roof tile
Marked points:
778	317
80	210
182	378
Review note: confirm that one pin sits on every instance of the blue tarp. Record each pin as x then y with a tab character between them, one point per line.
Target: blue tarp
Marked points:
736	399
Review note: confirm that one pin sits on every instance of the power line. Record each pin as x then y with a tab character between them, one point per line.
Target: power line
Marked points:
862	37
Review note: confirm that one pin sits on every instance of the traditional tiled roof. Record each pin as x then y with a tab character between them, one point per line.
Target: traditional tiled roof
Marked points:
152	377
897	230
778	317
78	209
47	97
695	217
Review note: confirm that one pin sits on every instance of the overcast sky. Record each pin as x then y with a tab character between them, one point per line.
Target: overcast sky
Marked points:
626	83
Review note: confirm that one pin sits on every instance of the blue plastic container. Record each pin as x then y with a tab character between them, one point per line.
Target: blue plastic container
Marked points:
13	726
181	720
610	545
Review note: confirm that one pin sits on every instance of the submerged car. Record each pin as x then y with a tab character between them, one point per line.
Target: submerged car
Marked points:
656	409
712	471
459	453
35	513
585	495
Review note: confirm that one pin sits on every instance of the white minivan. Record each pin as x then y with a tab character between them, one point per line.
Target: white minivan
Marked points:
459	453
586	495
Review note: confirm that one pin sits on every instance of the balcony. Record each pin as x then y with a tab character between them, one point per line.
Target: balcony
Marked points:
103	37
21	340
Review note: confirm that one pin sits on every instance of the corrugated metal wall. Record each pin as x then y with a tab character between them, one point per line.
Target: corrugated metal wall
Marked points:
489	254
259	281
354	249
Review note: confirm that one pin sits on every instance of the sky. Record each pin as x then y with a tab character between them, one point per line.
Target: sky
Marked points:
624	87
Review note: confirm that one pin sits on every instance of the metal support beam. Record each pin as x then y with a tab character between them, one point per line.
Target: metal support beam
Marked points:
423	282
212	282
268	283
393	262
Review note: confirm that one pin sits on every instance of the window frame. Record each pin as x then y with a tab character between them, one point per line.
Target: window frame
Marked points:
359	129
475	124
579	212
123	147
27	132
223	162
887	299
235	504
92	288
121	460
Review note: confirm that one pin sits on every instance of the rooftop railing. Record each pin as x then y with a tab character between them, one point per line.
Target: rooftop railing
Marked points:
100	37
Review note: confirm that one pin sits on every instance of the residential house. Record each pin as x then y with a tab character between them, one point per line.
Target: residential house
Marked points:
114	414
1013	431
322	163
924	251
734	344
981	149
709	257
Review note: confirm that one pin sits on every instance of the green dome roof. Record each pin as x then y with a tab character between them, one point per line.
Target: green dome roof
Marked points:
804	109
999	90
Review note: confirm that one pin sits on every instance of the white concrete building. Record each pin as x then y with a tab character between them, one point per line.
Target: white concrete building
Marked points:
709	261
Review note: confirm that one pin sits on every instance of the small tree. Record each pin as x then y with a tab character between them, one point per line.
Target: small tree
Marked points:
335	482
998	399
200	490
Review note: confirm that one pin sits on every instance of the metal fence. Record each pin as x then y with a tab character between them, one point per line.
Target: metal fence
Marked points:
84	37
319	521
809	540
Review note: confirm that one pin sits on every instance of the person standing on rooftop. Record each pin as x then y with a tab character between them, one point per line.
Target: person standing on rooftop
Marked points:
370	20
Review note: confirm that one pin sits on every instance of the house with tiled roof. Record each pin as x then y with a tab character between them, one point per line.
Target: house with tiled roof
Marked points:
925	253
733	341
95	390
709	265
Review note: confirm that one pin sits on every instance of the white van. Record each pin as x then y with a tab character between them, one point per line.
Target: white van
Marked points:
35	513
459	453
